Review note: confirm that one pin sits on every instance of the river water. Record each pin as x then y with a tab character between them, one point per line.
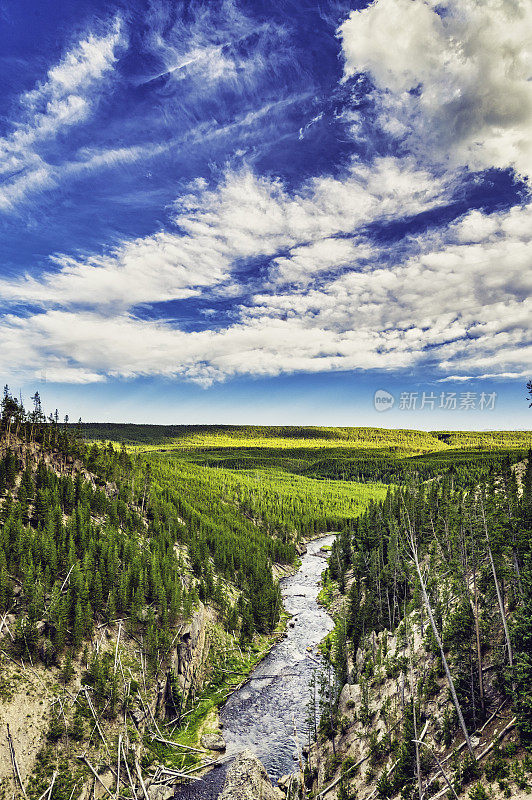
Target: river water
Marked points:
261	714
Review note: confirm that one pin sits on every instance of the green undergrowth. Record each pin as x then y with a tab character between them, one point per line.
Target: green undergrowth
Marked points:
229	665
326	593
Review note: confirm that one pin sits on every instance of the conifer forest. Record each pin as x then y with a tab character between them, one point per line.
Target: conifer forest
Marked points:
139	586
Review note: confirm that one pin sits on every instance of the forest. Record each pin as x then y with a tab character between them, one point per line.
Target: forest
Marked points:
135	535
96	537
436	582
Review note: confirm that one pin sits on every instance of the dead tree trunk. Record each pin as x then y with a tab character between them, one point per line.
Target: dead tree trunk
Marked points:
497	588
413	692
440	645
477	636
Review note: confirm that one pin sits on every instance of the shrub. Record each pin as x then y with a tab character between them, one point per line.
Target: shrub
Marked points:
478	792
519	775
448	725
56	729
496	769
375	749
384	786
470	769
369	775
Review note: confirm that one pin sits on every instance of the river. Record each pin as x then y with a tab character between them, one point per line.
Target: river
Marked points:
261	714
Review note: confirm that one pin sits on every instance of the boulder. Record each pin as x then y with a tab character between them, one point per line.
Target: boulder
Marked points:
290	786
248	780
213	741
137	716
350	698
284	782
161	792
106	779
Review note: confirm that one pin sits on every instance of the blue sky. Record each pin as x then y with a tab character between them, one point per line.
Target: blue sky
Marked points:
264	212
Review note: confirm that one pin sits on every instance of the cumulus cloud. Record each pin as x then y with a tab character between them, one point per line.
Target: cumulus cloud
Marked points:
308	261
260	217
478	319
461	300
454	77
64	99
245	216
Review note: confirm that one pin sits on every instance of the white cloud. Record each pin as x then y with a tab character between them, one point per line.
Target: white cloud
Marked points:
210	47
458	305
454	75
81	66
306	262
64	99
162	267
486	376
244	217
260	217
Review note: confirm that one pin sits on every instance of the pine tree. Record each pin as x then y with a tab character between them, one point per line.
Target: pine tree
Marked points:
247	627
521	674
78	627
56	729
77	729
67	669
403	777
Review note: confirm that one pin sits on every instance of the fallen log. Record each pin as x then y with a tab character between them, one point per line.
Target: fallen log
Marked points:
14	761
87	762
177	744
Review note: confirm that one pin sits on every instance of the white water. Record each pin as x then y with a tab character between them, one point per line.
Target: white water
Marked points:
261	714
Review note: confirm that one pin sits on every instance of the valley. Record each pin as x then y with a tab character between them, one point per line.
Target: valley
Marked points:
139	588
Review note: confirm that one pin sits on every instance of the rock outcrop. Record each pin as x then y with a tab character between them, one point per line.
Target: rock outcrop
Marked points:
248	780
213	741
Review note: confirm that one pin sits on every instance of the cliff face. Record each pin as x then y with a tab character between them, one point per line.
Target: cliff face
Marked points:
191	650
395	731
403	696
31	695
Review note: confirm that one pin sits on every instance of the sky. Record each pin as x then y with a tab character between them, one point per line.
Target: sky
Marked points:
266	212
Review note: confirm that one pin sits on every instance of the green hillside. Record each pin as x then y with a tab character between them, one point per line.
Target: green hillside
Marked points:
191	437
360	455
485	440
194	436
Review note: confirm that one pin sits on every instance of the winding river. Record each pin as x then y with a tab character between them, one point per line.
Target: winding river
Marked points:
262	713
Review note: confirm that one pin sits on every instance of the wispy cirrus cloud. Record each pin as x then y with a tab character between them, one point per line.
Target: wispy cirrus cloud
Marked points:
65	98
309	279
217	44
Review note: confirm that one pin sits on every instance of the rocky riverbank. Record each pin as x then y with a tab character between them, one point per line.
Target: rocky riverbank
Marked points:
260	716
